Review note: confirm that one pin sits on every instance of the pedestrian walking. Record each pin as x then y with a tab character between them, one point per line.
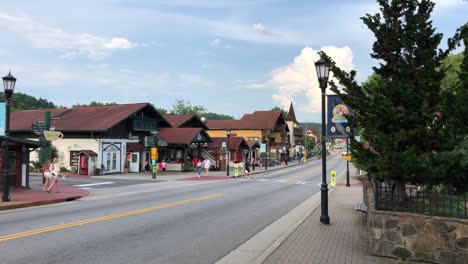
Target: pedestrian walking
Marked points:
47	174
247	168
253	164
195	164
162	167
199	168
54	169
207	165
147	167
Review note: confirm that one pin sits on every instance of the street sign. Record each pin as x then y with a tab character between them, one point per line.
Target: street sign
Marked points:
333	178
2	119
154	153
263	148
161	142
39	127
52	135
223	145
150	141
347	157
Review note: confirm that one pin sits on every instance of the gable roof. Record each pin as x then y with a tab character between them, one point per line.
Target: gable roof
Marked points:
223	124
81	118
182	135
257	120
182	120
23	120
235	143
291	115
262	119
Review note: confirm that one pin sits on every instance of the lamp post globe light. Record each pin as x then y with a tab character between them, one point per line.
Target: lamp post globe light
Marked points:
228	134
9	84
323	69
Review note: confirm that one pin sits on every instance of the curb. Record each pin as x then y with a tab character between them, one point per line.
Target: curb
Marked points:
257	249
37	203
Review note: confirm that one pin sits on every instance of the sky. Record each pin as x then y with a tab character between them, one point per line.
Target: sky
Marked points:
231	56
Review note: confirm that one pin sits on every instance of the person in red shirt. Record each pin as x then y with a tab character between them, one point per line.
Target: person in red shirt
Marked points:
194	162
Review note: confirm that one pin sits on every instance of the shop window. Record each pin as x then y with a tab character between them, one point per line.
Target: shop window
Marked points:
74	158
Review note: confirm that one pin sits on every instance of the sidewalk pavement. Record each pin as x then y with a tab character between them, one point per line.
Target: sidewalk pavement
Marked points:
34	196
345	240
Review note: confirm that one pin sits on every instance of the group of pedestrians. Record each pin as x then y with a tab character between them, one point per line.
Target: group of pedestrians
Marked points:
200	165
161	167
51	174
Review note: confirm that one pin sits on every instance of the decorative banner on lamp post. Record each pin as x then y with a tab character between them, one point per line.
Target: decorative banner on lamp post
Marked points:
2	119
337	125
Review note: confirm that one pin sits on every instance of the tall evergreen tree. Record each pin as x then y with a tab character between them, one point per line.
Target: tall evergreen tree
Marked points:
397	111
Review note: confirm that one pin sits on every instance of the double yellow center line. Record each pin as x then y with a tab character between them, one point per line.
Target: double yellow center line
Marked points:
104	218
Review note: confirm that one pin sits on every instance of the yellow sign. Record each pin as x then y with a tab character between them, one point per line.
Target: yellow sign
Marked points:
236	170
333	178
53	135
347	157
154	153
155	169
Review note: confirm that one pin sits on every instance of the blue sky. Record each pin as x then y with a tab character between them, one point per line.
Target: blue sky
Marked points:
233	57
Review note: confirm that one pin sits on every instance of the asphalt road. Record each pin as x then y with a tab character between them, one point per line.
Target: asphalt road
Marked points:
165	222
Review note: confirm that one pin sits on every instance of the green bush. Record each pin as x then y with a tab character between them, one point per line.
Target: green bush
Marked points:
64	169
187	166
36	164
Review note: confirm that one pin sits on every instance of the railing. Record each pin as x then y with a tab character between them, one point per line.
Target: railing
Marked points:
434	201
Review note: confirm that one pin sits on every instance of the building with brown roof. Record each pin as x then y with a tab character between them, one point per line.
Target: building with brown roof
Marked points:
114	133
296	137
260	127
237	147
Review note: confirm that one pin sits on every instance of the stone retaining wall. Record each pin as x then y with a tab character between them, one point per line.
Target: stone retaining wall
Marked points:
415	236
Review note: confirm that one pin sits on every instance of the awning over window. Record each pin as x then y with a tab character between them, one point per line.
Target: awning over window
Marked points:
87	152
135	147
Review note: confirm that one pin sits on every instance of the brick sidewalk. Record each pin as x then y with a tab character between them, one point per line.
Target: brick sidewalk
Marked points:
343	241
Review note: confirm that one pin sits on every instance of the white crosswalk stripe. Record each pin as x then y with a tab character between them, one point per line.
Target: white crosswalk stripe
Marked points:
94	184
282	181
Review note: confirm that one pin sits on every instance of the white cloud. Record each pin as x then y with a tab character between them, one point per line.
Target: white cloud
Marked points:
119	43
299	78
260	28
215	42
297	81
447	4
69	45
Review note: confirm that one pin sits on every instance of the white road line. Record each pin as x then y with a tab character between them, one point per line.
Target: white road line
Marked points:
282	181
263	180
94	184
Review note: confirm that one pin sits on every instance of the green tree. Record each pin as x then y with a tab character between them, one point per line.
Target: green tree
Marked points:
182	107
21	101
451	66
397	111
94	103
283	112
215	116
162	111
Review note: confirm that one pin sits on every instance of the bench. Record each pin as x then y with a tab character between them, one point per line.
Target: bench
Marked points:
362	207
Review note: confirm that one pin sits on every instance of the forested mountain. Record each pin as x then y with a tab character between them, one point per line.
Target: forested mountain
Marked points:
21	101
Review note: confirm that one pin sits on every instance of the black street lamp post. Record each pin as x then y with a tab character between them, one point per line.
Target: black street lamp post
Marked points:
266	153
323	69
9	84
347	163
228	133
